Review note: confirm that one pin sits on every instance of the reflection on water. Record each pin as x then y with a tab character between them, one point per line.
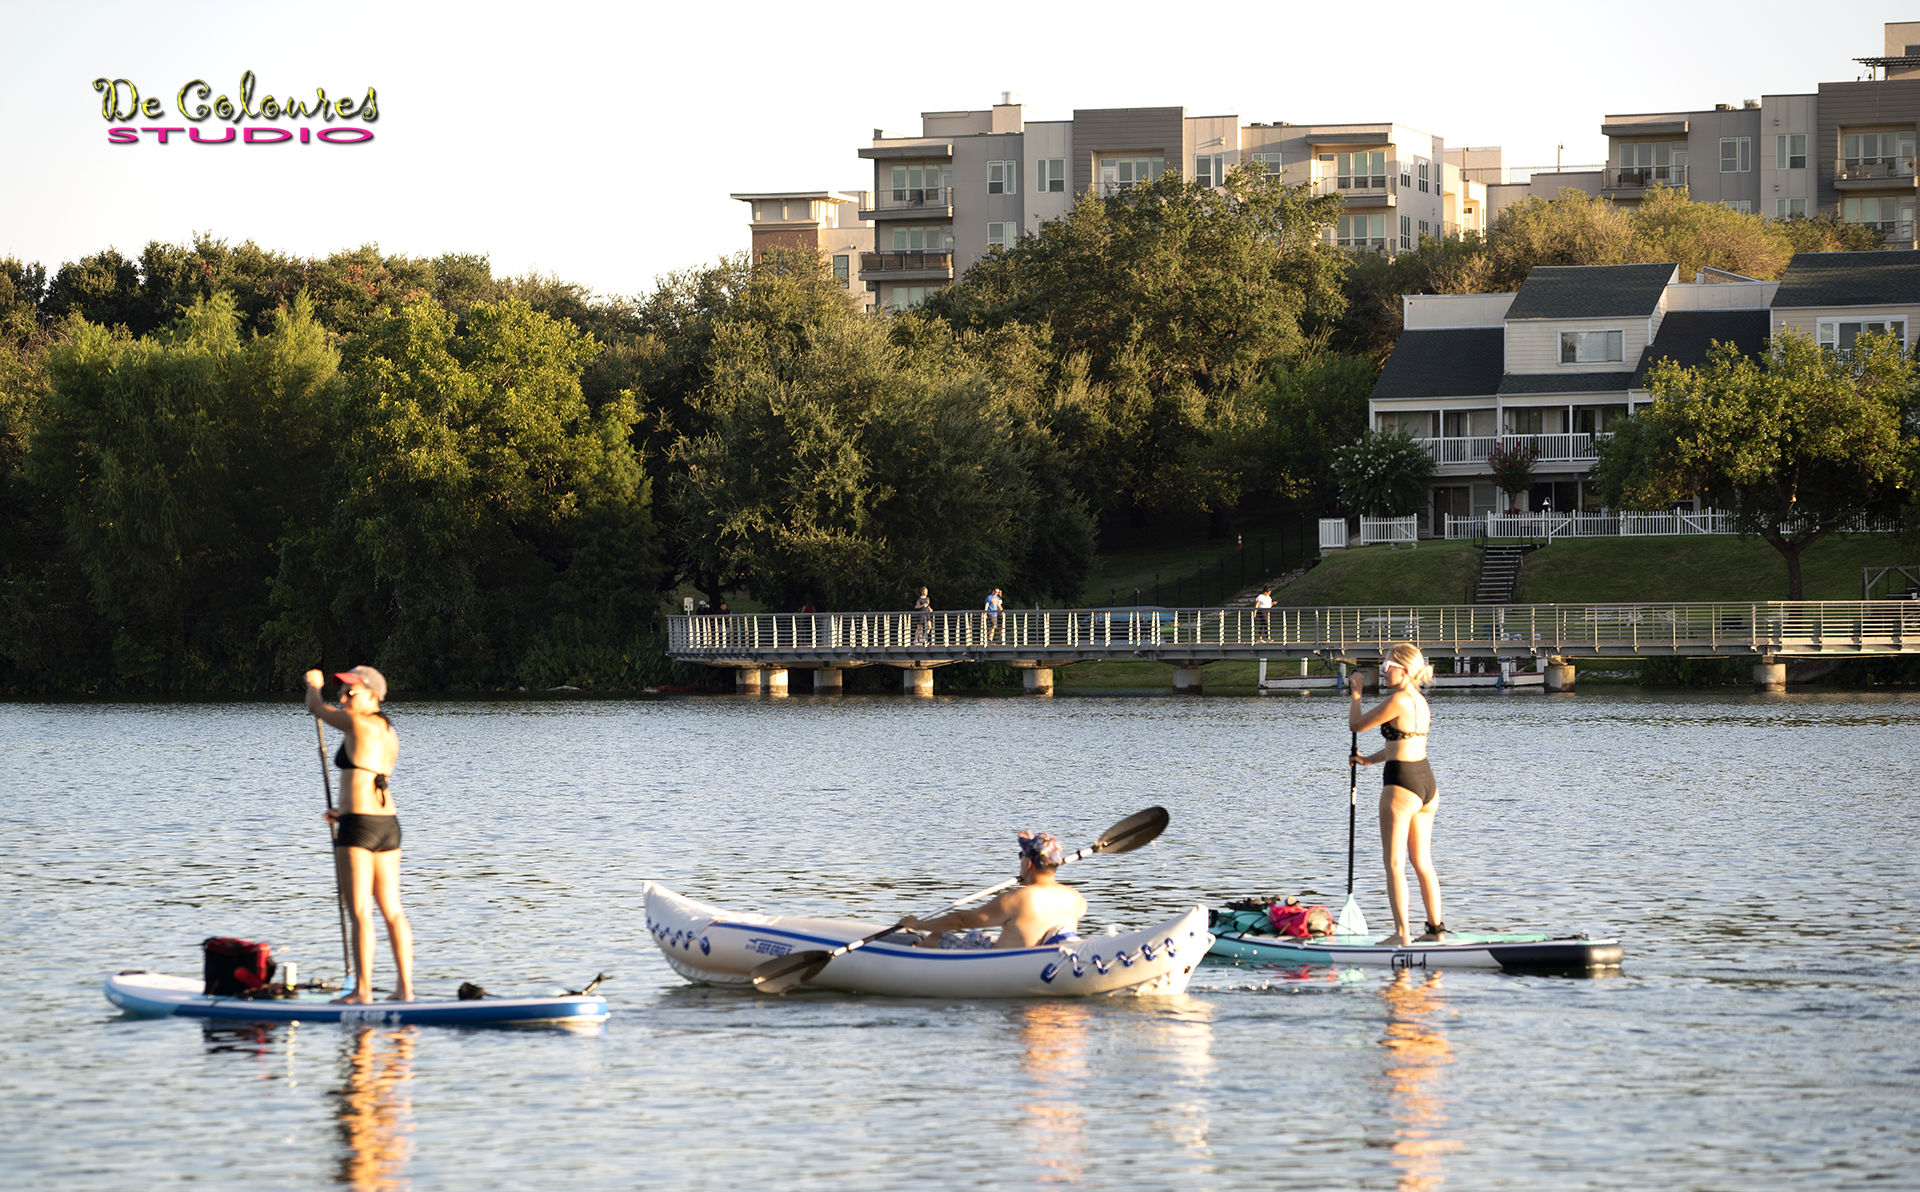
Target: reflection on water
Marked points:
1416	1078
1053	1053
1180	1034
375	1109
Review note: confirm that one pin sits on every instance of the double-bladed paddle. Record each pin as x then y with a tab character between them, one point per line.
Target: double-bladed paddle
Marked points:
777	976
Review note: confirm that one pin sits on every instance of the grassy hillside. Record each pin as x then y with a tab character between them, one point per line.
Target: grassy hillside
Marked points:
1431	573
1708	567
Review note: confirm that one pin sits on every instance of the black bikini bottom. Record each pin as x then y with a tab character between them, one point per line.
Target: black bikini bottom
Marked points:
375	833
1413	776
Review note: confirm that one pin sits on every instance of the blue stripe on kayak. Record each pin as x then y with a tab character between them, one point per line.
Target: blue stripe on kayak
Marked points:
893	949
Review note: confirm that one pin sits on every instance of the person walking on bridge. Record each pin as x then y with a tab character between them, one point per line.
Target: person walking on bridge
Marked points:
923	620
1408	797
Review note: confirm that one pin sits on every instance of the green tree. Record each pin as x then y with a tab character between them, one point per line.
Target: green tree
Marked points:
176	462
1797	445
1384	473
1511	466
478	503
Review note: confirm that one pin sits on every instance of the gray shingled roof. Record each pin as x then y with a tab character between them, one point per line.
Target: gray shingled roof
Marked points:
1595	382
1590	291
1849	279
1686	335
1456	362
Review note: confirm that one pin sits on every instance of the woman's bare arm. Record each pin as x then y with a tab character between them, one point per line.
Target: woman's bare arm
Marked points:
1360	719
337	717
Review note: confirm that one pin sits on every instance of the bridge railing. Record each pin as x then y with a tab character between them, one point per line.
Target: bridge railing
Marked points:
1765	626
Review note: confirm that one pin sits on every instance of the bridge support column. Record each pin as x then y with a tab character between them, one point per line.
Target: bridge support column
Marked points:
776	681
916	680
1186	680
1770	676
1559	674
829	681
1037	680
746	680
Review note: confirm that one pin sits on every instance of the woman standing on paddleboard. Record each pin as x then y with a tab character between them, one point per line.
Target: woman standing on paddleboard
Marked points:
367	826
1408	796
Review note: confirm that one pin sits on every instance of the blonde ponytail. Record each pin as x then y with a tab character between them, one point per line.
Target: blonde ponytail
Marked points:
1408	658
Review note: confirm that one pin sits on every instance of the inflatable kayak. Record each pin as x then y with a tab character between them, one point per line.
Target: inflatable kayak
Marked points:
161	995
1514	952
712	946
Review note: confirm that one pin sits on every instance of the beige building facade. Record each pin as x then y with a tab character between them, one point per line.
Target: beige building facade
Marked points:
825	221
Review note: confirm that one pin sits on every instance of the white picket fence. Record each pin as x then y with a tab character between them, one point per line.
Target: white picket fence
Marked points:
1390	529
1622	524
1333	532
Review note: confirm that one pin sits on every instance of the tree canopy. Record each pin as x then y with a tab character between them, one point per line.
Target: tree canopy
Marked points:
1798	445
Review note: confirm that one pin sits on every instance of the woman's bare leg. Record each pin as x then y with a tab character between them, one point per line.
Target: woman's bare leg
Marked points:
359	870
1420	852
1397	806
386	890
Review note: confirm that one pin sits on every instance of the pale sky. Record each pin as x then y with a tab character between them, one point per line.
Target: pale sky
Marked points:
599	141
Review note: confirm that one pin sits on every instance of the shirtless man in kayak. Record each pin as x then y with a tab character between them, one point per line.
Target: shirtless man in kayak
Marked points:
1026	915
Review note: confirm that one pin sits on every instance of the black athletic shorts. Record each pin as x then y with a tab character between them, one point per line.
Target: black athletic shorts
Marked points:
1413	776
375	833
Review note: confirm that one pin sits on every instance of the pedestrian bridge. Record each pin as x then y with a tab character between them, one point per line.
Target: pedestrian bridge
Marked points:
1188	638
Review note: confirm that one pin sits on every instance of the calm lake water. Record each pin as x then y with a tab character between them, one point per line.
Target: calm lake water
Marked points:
1755	854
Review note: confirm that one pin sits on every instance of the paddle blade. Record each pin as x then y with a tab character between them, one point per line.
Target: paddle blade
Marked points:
1136	831
1352	922
782	974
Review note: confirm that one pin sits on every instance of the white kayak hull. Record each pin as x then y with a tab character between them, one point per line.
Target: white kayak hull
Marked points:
160	995
712	946
1508	951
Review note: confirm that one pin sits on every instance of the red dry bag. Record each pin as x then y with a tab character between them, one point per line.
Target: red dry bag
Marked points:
234	968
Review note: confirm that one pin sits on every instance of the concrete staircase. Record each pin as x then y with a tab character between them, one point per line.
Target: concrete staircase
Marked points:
1499	572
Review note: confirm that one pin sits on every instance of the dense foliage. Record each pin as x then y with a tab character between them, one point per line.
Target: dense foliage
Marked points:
1384	473
1798	445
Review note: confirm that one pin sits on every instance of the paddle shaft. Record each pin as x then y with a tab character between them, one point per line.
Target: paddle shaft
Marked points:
333	837
1353	805
956	904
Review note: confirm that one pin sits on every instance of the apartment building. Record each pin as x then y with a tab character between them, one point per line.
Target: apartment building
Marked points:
975	180
1554	364
1846	149
822	220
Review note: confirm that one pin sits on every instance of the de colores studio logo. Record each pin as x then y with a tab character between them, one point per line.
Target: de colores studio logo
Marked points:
123	108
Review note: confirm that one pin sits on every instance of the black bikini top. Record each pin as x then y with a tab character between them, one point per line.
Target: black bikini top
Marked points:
342	761
1389	732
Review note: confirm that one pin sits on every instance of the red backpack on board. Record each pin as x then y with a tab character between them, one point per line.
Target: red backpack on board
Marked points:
235	968
1290	918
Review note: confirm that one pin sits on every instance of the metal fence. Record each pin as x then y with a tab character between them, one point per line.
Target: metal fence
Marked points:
1620	524
1761	627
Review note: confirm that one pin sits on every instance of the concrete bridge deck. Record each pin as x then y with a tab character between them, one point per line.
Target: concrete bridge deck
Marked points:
1189	638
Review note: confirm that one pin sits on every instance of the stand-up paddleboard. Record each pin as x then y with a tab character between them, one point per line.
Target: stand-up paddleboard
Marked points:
161	995
1513	952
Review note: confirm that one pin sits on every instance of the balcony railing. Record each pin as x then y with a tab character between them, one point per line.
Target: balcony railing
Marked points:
911	260
1555	448
914	196
1356	184
1863	169
1641	177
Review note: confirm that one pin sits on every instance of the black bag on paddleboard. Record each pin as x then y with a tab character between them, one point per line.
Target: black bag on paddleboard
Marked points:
235	968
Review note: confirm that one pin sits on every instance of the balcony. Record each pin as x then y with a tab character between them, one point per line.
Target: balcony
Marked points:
932	202
1579	447
909	265
1358	189
1629	183
1894	233
1874	173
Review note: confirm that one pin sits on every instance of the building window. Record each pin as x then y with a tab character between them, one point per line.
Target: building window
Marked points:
1790	151
1361	231
841	272
1406	231
1269	163
1526	422
1002	235
1210	169
1423	171
1591	347
1122	173
906	296
1003	177
1360	171
1736	155
938	238
921	184
1425	229
1890	151
1406	177
1789	208
1890	214
1838	336
1743	206
1050	175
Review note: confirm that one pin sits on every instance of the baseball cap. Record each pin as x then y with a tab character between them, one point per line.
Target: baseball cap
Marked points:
375	681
